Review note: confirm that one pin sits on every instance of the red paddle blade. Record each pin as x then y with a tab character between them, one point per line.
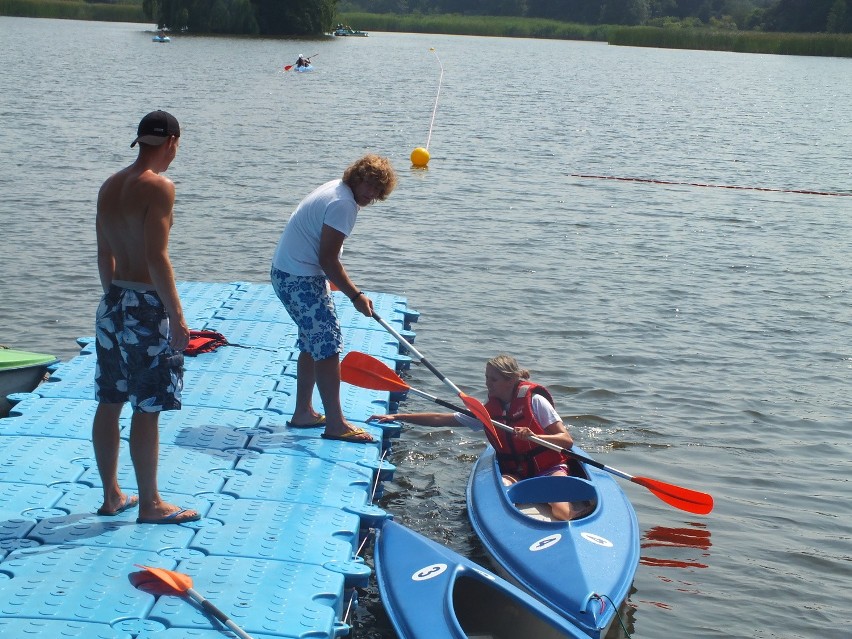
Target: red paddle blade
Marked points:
365	371
288	67
176	580
479	411
691	501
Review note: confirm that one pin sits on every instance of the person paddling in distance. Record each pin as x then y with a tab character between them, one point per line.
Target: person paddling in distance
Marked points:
140	327
303	61
528	408
306	259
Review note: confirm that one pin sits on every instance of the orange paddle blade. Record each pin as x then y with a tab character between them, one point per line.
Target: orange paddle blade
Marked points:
691	501
365	371
176	580
288	67
479	411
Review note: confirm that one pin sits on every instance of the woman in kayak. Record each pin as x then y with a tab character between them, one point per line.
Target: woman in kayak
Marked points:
528	408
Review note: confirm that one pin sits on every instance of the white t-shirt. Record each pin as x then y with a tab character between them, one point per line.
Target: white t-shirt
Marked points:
332	203
542	409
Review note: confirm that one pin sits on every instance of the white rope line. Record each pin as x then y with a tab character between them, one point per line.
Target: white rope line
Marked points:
435	110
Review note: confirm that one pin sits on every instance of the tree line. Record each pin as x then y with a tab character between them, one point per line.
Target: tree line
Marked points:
313	17
253	17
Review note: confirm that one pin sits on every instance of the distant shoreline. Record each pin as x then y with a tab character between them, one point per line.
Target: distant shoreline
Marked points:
808	44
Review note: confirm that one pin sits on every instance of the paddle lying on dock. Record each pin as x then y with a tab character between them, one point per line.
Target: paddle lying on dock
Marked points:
365	371
183	584
473	405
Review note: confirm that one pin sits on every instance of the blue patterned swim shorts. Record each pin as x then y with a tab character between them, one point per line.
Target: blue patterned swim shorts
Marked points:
134	360
309	303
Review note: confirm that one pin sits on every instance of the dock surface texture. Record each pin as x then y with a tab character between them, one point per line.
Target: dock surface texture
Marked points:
283	510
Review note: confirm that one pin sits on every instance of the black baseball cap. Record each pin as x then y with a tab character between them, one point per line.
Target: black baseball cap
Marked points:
157	127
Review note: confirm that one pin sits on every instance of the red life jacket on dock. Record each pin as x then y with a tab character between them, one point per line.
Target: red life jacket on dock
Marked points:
204	341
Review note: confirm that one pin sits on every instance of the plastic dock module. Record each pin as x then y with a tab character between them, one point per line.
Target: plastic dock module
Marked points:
284	511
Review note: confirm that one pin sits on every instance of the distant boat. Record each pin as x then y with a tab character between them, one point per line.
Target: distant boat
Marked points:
161	38
21	372
348	31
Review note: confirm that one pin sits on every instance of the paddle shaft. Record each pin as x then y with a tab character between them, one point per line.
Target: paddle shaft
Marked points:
390	329
221	616
364	370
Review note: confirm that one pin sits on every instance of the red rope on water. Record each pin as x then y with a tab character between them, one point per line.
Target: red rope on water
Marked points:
714	186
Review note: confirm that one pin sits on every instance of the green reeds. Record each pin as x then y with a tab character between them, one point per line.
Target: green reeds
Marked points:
817	44
455	24
73	10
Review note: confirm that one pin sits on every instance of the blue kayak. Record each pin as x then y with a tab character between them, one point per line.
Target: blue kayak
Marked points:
581	568
307	67
432	592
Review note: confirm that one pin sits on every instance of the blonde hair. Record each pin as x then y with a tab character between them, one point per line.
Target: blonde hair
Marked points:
371	168
508	366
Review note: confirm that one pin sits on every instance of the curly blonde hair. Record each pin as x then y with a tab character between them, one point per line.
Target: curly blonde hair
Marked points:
371	168
508	366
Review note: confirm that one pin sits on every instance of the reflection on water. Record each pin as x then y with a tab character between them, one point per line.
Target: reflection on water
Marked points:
684	548
676	547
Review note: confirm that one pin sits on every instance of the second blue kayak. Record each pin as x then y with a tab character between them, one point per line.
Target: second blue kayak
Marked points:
432	592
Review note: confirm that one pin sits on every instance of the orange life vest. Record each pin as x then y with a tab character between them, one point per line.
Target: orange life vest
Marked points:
517	456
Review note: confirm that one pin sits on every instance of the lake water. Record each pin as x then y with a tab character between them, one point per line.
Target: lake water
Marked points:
697	335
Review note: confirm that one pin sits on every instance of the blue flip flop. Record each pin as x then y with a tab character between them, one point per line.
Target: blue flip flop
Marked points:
130	501
172	518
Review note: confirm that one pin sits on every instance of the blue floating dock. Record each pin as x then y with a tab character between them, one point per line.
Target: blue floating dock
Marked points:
284	511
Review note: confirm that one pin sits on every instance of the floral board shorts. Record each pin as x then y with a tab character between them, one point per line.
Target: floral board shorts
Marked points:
310	305
134	360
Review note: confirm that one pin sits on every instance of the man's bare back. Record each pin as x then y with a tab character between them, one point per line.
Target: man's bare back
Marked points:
134	218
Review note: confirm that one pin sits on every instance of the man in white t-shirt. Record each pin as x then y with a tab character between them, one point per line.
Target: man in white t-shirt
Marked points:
306	259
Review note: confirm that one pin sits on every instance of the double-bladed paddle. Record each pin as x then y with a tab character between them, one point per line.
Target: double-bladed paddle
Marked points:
365	371
183	583
290	66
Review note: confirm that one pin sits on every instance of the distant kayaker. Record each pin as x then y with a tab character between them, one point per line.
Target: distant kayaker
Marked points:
306	259
528	408
303	61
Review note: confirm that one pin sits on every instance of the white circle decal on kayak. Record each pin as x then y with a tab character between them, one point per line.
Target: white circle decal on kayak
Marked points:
597	539
428	572
546	542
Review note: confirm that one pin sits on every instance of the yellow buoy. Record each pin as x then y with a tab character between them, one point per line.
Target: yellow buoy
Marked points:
420	157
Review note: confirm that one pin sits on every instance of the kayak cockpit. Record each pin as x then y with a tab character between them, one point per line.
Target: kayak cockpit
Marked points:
485	611
532	496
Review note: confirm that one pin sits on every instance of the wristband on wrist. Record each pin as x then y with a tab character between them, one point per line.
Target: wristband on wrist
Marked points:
357	295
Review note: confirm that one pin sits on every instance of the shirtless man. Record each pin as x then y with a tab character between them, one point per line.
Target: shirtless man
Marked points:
140	326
